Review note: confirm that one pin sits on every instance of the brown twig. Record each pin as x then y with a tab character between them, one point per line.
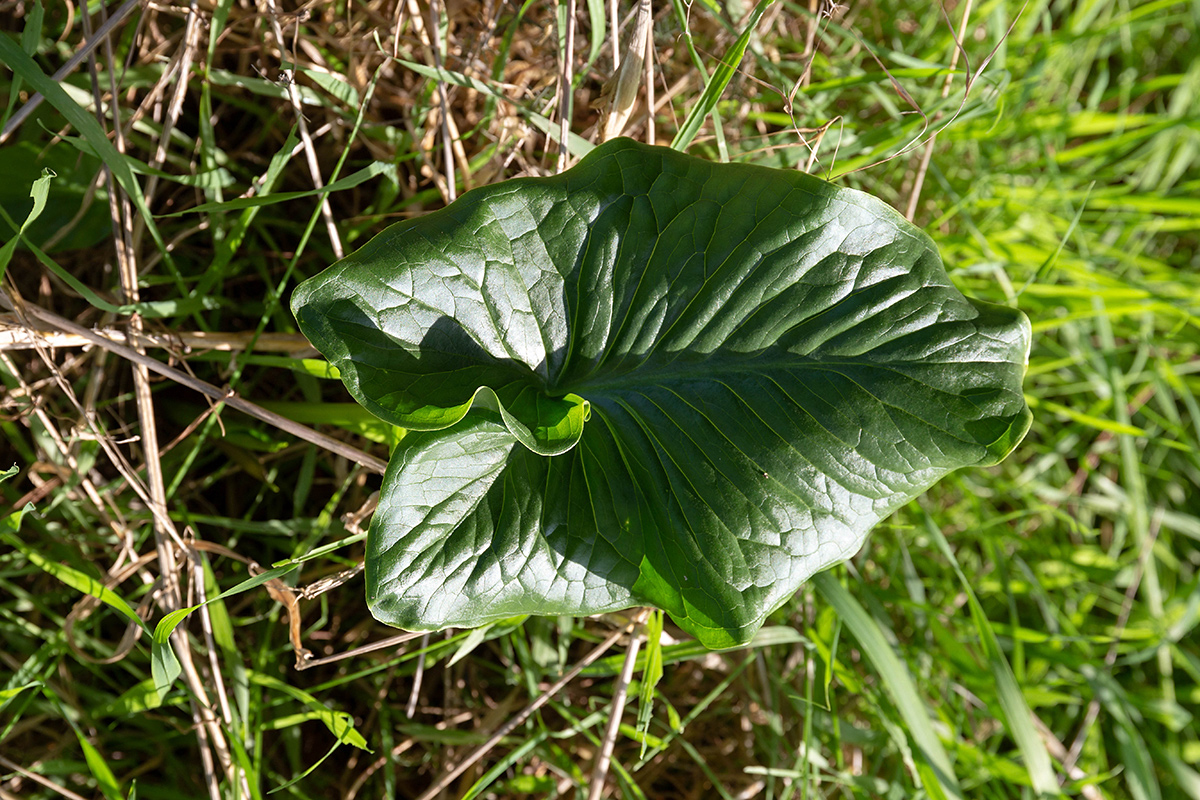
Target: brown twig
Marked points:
566	103
650	109
414	693
454	152
519	719
232	400
181	67
102	502
40	780
310	152
620	692
919	180
208	730
382	644
435	46
14	336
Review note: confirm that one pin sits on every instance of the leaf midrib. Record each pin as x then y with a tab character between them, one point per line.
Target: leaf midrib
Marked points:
643	377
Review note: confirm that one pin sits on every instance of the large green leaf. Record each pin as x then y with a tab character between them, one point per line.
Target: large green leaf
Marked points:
654	379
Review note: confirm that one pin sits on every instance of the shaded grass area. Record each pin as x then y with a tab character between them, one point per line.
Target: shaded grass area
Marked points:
1034	622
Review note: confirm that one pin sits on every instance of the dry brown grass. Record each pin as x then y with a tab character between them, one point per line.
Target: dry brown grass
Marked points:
259	66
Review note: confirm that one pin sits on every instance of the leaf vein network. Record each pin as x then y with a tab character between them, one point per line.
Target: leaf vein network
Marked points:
659	453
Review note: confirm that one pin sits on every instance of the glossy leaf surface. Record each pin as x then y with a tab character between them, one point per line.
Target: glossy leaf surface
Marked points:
654	379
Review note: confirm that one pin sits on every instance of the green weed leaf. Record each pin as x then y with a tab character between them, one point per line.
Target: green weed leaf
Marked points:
654	380
39	192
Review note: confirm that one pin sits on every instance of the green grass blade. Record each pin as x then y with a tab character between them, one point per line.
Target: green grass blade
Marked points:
504	764
651	675
1186	778
363	175
21	64
339	723
84	291
228	245
8	694
598	24
164	665
932	762
101	771
681	16
164	668
720	79
170	622
31	34
77	580
1015	710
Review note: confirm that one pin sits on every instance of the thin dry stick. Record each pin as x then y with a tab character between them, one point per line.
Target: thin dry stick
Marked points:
101	437
400	9
382	644
122	213
566	103
971	78
665	103
449	132
89	488
210	644
650	127
113	520
432	51
508	727
181	67
209	732
821	10
1058	751
815	145
204	707
435	47
411	709
927	155
620	692
310	152
810	45
227	397
206	725
614	22
169	597
206	757
20	337
38	779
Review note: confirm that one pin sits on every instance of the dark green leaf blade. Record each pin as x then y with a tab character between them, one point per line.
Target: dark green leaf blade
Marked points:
468	532
423	332
771	366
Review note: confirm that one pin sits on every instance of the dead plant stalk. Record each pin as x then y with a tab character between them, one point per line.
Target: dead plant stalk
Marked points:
927	154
